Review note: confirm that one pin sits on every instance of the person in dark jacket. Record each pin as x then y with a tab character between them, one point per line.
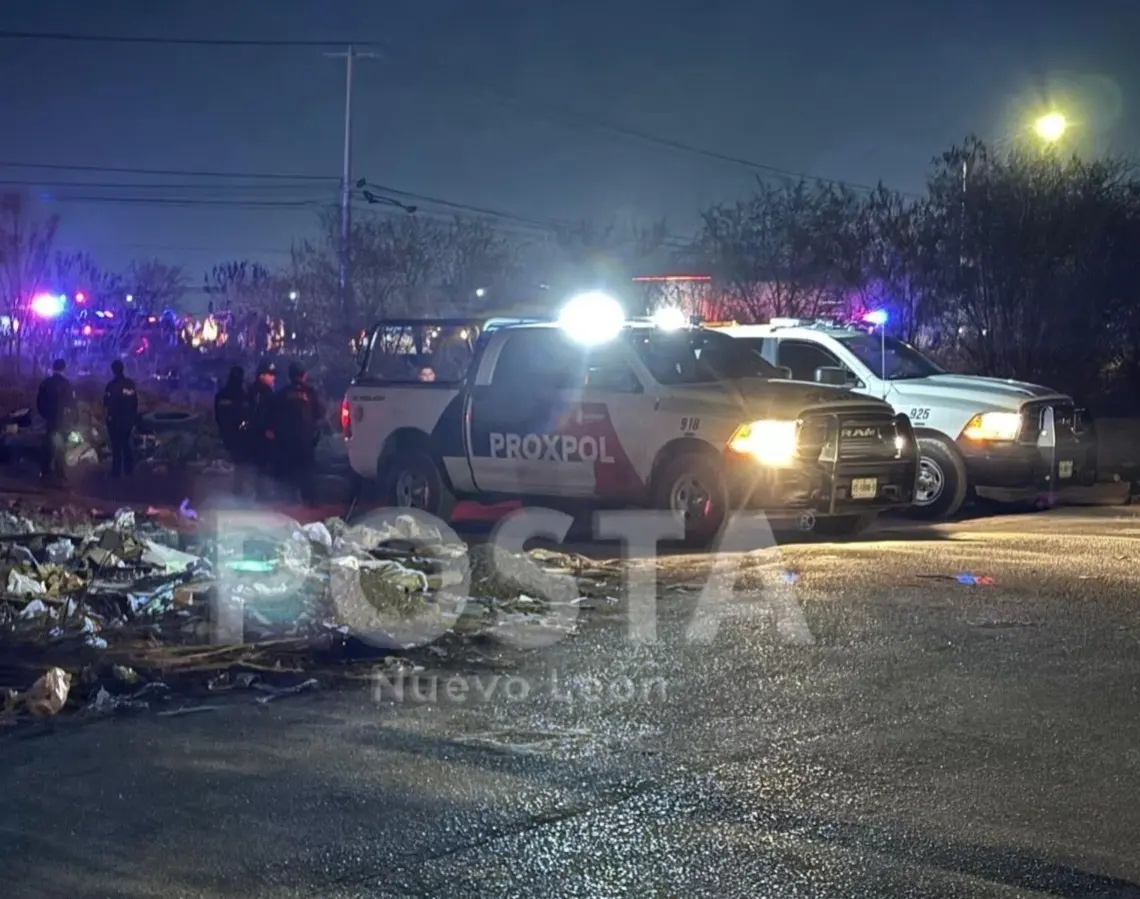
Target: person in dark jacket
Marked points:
121	404
297	425
230	410
260	402
59	408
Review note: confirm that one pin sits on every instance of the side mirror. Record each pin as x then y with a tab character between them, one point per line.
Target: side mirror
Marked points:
832	375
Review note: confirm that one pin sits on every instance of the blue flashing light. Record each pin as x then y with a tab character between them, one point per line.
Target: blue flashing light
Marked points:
877	317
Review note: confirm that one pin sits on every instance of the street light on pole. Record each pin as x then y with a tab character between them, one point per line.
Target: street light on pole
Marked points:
1051	127
347	305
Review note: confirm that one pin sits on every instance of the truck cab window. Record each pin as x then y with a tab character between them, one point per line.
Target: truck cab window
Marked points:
540	359
803	358
608	370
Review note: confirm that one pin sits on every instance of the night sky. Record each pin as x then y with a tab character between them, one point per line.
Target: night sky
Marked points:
487	102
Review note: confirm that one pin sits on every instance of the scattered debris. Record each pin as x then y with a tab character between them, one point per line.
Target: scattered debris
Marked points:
147	601
273	693
188	710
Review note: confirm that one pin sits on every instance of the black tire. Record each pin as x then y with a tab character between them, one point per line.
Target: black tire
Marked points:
163	422
428	491
939	460
846	525
706	476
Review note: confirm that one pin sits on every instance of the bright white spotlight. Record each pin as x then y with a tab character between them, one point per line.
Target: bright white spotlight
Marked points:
592	318
669	318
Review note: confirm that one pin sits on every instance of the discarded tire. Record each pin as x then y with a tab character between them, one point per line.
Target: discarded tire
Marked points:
166	421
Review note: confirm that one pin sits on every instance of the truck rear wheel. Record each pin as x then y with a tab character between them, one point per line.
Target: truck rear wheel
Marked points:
412	480
693	486
942	483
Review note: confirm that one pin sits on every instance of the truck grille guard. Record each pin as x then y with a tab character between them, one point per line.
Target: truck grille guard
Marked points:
834	439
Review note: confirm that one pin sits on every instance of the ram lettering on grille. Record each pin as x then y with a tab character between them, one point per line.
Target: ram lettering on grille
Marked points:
859	433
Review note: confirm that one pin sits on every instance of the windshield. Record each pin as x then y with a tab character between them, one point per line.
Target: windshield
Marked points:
902	360
699	357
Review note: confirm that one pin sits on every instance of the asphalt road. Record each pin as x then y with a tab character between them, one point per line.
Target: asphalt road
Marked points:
906	735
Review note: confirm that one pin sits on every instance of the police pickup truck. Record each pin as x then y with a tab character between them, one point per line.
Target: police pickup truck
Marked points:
687	420
1007	441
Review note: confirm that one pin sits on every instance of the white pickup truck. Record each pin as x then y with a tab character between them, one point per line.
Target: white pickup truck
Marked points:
1004	440
686	420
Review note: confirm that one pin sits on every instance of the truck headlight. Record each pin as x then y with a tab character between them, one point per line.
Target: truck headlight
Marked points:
768	442
993	426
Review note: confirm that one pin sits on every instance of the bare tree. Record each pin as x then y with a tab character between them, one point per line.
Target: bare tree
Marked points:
791	249
891	277
154	284
26	243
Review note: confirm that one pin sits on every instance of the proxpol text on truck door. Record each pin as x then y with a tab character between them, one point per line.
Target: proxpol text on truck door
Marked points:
518	411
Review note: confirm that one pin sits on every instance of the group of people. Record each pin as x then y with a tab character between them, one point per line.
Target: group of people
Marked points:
58	406
271	435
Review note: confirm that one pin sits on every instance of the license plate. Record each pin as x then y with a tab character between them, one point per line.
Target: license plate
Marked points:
864	488
1065	469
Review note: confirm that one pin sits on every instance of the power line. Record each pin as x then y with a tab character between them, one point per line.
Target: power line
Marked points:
546	110
174	173
70	37
194	201
144	186
557	112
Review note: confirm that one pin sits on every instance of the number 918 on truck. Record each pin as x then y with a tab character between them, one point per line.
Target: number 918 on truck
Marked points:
611	412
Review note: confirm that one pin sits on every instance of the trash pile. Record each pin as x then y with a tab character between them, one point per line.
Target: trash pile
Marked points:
120	613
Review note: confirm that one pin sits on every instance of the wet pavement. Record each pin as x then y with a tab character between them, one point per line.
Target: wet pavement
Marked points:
955	713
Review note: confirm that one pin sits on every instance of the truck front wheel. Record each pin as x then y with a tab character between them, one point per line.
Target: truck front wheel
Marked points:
412	480
942	482
692	486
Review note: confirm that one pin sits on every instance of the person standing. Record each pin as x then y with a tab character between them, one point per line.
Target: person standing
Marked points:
59	408
121	404
299	413
230	413
261	401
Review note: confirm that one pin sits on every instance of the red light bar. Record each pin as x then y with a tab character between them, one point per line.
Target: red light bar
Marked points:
672	278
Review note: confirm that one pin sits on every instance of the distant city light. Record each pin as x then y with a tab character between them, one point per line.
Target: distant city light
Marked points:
48	305
293	295
480	292
87	329
80	296
877	317
130	298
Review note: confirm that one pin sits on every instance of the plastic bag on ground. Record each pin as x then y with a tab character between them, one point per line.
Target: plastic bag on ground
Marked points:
318	533
22	585
35	609
173	560
48	695
59	551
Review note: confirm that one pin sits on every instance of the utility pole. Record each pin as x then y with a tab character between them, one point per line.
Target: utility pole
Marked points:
348	306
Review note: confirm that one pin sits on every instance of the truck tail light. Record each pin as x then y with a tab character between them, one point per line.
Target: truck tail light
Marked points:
345	418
